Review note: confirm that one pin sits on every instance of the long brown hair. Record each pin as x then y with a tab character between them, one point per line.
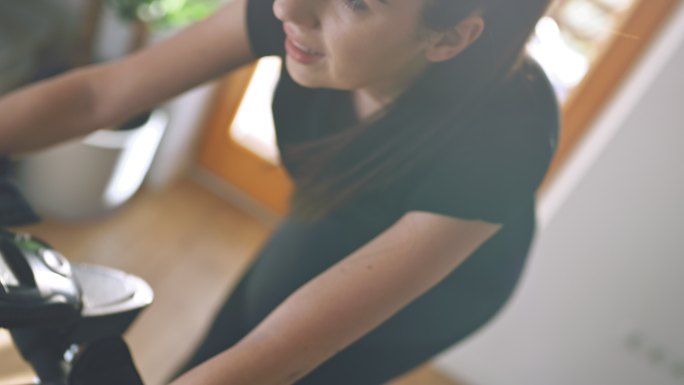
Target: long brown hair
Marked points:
368	158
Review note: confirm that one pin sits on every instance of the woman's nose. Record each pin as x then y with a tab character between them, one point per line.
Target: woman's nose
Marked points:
303	13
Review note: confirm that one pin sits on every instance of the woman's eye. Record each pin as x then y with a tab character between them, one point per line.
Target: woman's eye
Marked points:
356	5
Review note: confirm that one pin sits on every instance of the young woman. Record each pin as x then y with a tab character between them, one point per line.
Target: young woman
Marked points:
416	133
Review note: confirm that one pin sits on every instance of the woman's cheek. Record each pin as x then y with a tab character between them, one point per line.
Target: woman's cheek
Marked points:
355	63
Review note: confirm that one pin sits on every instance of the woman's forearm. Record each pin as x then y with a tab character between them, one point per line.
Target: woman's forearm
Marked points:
99	96
345	302
47	112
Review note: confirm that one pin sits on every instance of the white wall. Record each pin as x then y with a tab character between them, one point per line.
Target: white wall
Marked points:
601	300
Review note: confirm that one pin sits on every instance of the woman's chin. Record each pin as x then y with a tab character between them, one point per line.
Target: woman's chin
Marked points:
303	75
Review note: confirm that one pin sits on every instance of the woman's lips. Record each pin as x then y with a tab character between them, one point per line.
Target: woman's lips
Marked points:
300	52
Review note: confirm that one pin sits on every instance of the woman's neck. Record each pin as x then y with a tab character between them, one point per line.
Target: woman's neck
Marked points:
364	105
369	101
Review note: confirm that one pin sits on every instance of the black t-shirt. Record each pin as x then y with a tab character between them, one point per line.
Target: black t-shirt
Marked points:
492	173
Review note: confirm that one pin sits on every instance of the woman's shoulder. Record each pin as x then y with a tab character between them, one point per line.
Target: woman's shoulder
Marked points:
530	89
523	112
503	157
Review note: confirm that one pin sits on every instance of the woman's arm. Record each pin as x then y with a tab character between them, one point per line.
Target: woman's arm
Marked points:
94	97
347	301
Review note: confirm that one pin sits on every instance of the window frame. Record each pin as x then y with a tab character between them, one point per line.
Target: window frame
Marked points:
611	67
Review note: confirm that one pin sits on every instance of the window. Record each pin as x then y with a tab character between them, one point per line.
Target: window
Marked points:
570	38
253	124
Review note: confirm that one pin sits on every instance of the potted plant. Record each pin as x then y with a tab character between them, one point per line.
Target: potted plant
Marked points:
135	23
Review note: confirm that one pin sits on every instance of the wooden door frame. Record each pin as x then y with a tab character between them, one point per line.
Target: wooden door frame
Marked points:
584	104
260	179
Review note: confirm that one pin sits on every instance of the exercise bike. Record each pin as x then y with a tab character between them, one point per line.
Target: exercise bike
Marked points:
66	320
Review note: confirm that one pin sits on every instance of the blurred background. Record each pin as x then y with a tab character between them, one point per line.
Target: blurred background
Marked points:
184	194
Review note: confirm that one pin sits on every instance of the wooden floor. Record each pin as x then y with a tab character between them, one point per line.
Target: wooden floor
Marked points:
190	246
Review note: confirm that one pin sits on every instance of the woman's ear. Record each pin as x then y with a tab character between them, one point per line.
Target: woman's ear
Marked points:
445	45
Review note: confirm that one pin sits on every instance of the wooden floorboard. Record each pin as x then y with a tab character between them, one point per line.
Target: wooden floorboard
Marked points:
190	246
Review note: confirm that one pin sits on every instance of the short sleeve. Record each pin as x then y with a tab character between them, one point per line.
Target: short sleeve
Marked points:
265	31
494	173
475	187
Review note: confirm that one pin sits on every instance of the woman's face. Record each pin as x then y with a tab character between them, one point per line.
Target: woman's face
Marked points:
353	44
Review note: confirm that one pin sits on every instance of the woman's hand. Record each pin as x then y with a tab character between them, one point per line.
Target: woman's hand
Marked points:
346	301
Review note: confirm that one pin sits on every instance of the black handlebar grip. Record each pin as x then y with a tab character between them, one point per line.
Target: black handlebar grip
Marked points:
14	210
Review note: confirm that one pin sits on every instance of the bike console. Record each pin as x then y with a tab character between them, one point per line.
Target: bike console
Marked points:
37	284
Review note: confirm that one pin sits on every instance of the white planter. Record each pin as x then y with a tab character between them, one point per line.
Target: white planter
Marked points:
90	177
